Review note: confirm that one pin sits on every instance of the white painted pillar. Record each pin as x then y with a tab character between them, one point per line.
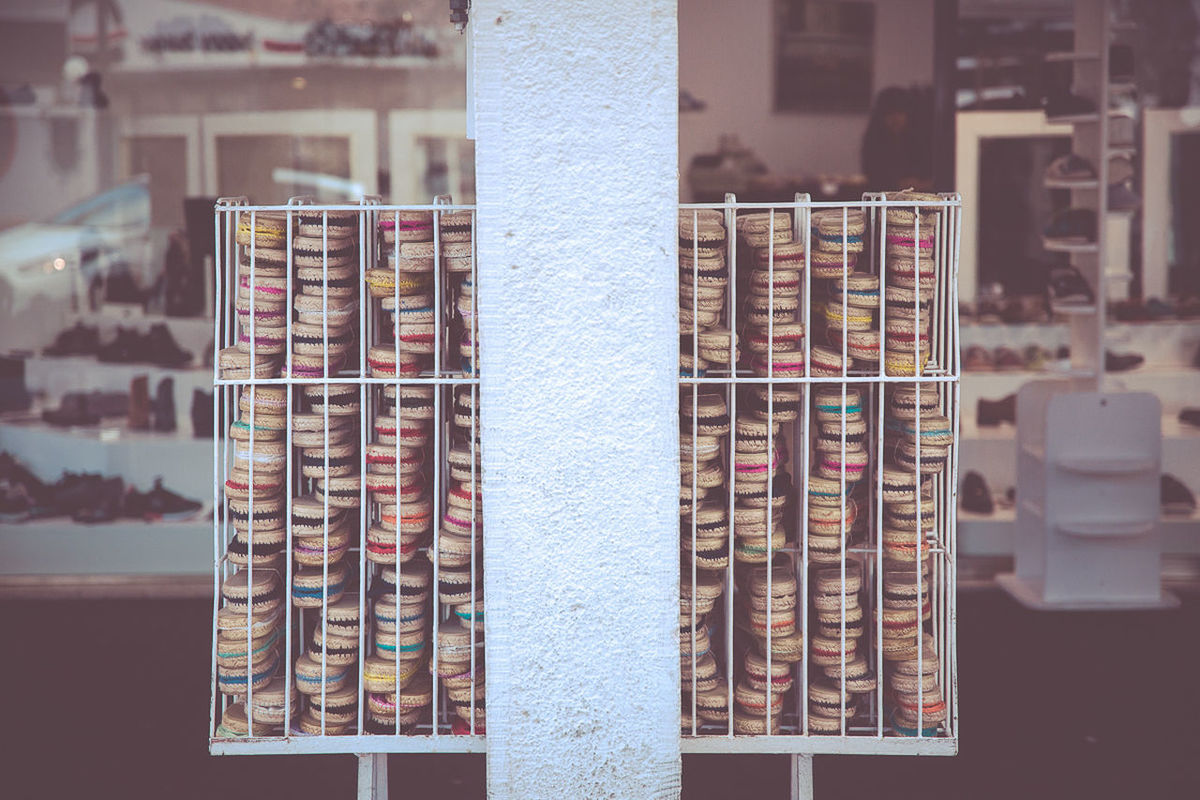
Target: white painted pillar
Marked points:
576	168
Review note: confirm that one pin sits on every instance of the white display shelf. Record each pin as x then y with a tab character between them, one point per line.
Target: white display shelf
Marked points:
124	547
183	462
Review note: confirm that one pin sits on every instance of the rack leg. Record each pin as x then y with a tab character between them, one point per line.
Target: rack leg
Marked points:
372	777
802	777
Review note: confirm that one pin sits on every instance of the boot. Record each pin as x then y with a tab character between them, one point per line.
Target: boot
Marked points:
164	406
139	403
202	414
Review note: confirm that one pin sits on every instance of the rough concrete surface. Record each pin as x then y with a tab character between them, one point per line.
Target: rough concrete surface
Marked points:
576	154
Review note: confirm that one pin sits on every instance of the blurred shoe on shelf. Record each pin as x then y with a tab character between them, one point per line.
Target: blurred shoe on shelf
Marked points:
1121	362
158	503
1072	226
990	413
1067	104
72	410
103	503
977	359
1190	416
976	496
202	414
164	406
1066	287
1120	168
1176	498
1122	198
139	403
1069	168
1005	358
160	348
77	340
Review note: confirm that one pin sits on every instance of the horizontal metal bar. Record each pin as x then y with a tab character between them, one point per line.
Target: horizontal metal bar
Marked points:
738	205
822	745
301	745
310	209
348	381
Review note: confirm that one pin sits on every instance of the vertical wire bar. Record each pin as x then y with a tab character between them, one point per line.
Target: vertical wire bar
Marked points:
919	385
881	437
251	461
842	470
731	394
328	477
695	434
770	528
397	594
438	458
366	221
289	473
805	465
220	263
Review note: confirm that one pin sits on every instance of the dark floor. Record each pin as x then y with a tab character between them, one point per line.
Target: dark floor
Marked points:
112	695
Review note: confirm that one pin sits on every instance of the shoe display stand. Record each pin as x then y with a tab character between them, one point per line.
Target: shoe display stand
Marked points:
352	326
767	551
1087	532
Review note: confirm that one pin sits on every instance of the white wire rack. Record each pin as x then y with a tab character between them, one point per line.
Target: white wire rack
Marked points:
435	702
923	238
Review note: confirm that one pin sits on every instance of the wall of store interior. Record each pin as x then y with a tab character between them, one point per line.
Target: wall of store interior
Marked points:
726	54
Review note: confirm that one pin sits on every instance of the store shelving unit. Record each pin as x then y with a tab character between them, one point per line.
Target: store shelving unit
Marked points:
1110	556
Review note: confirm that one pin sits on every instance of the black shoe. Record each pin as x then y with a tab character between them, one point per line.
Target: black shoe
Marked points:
160	348
72	410
104	502
122	349
1190	416
976	496
71	493
77	340
163	406
158	503
1072	226
1176	498
1067	104
1066	286
992	412
202	414
1120	362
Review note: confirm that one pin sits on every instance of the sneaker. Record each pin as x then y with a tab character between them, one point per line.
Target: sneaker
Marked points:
1176	498
977	359
976	496
1190	416
1122	198
158	503
1070	168
1072	226
103	504
77	340
1121	362
1066	286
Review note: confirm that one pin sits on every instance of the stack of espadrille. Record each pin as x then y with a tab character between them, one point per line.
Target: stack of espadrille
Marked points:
261	300
402	616
703	278
914	691
768	604
460	563
911	256
772	333
249	643
325	257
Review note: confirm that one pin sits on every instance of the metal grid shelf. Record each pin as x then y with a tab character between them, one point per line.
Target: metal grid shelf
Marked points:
292	275
756	691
